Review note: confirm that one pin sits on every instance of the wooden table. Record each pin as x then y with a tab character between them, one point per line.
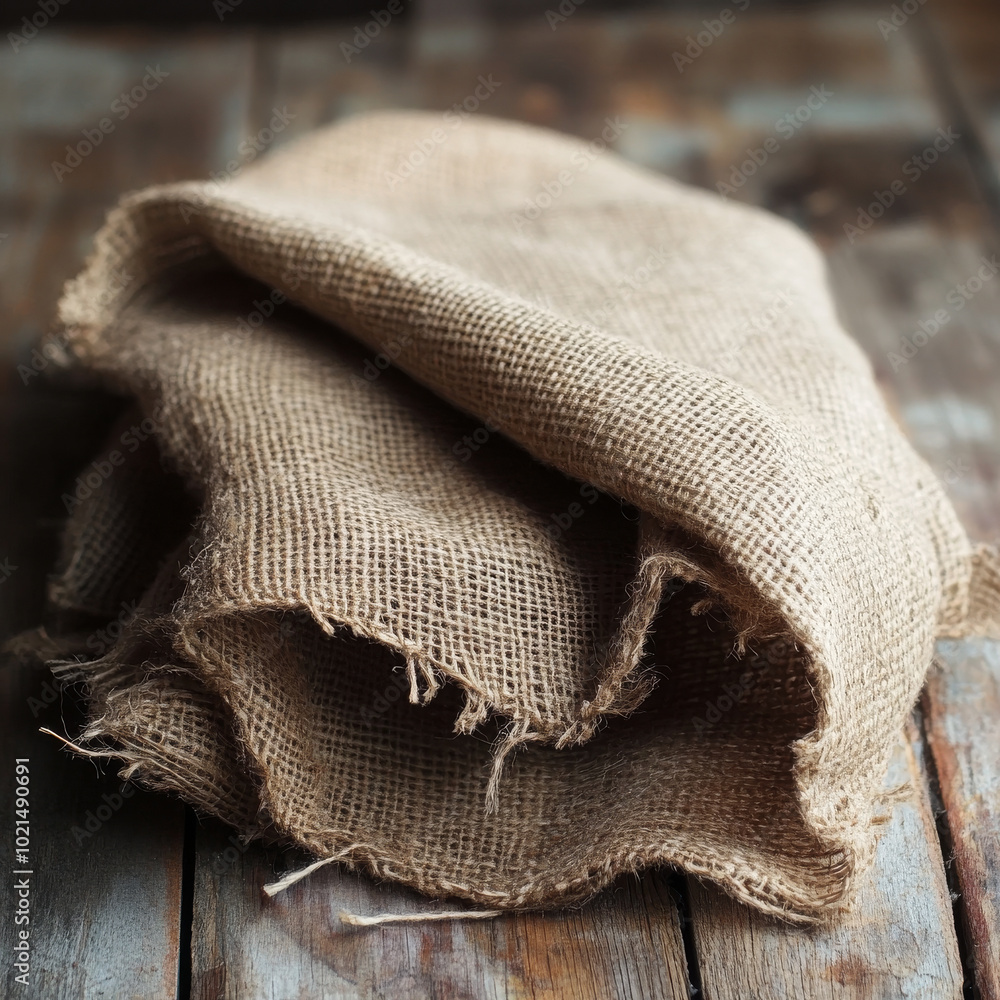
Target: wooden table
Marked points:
135	897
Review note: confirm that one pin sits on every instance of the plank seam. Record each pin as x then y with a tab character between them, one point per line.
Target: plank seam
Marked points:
941	825
678	884
188	862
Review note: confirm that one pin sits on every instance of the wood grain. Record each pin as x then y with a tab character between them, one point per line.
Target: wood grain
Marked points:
947	396
963	729
107	880
897	940
112	907
105	892
625	944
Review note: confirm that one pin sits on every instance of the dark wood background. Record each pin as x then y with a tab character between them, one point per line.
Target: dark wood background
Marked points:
155	903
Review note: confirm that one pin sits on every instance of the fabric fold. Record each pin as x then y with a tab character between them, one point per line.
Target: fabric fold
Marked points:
528	551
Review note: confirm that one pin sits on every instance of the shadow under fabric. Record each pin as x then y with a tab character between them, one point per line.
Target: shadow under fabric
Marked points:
621	562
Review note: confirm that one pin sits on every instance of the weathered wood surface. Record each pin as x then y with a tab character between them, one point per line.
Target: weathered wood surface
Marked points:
963	728
889	93
627	943
107	883
896	941
962	699
947	394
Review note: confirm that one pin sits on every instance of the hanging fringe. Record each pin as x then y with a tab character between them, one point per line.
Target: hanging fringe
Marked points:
290	878
359	920
411	673
515	735
80	750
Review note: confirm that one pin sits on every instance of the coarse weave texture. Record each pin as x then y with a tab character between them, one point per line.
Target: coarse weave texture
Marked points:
557	529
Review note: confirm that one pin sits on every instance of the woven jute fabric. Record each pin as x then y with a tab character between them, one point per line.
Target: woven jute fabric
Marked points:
500	517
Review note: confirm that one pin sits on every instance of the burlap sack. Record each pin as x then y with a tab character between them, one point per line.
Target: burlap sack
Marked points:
626	501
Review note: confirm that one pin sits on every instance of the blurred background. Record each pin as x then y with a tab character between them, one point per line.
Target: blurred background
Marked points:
874	126
808	109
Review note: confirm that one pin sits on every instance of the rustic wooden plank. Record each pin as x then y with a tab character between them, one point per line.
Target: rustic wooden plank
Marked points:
946	396
902	285
699	125
106	887
963	730
625	944
874	116
150	108
106	865
896	941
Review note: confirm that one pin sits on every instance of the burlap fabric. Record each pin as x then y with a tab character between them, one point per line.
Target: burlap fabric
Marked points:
620	561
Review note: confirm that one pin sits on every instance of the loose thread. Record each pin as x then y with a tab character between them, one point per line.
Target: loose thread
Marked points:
78	749
411	673
517	734
358	920
290	878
